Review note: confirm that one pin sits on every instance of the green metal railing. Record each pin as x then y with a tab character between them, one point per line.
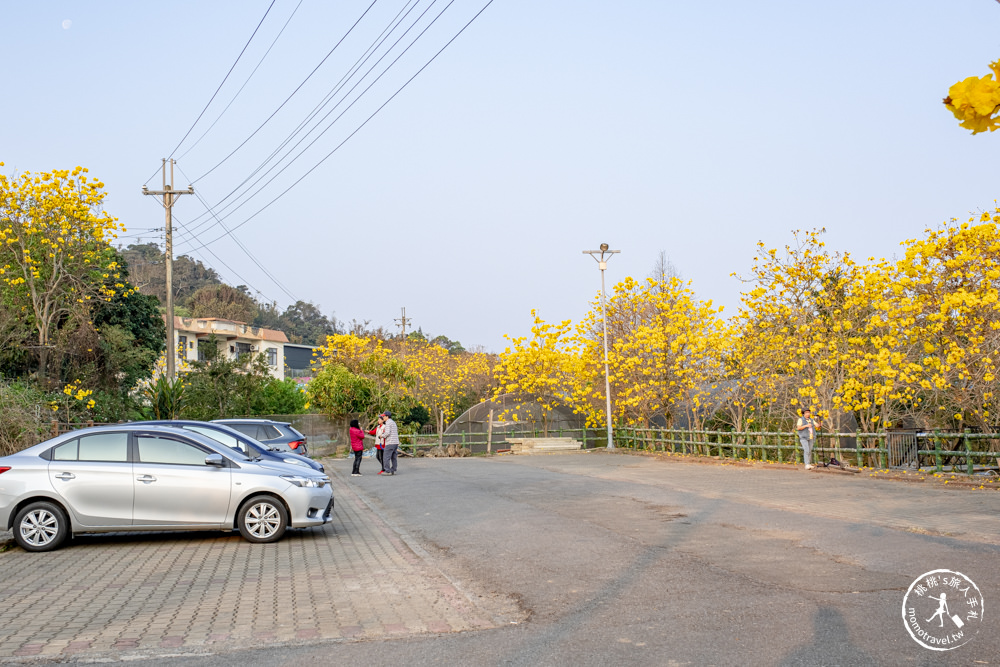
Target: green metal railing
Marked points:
871	449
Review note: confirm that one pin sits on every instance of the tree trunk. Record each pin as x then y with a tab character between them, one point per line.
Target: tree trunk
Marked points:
43	364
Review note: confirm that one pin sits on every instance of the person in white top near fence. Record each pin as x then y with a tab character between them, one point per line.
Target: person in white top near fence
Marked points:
806	427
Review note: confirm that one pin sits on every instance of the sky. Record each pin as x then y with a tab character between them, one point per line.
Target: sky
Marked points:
467	193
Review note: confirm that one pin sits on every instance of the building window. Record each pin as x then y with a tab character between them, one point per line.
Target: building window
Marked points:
272	356
241	349
182	346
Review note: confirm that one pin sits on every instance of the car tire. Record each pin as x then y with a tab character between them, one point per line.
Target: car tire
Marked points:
41	526
262	519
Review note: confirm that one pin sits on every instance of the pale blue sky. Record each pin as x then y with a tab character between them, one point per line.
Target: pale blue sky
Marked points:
545	129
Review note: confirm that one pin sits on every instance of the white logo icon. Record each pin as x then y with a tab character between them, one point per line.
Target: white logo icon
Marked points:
943	610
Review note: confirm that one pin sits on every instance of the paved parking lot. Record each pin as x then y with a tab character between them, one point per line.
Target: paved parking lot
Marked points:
153	594
611	559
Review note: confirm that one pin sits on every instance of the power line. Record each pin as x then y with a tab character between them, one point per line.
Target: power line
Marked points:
393	24
365	122
224	79
299	87
328	155
354	68
259	63
242	247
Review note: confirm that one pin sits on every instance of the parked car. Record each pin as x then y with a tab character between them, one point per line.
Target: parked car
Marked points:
140	478
279	435
239	441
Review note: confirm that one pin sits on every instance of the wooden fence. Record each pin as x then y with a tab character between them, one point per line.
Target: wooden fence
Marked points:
876	450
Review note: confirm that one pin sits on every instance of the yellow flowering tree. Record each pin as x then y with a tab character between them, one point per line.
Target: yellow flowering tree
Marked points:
358	375
539	369
54	248
975	101
443	381
950	298
663	351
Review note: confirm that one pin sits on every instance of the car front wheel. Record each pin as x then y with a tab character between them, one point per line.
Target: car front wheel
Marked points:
41	526
263	519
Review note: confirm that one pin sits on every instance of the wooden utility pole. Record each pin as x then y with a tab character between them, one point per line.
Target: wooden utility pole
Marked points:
169	197
402	322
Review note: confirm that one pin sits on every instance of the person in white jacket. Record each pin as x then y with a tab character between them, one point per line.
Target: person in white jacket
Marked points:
391	445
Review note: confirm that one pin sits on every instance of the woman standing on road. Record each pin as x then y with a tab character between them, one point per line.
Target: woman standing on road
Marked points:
357	446
379	433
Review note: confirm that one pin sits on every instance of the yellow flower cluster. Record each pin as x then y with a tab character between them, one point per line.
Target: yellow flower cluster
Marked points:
74	390
976	101
877	342
54	245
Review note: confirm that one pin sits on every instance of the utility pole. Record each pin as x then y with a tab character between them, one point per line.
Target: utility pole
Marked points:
169	197
602	263
402	322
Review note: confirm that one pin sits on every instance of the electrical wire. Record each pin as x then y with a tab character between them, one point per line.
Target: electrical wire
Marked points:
242	247
358	98
299	87
223	80
393	24
259	63
242	280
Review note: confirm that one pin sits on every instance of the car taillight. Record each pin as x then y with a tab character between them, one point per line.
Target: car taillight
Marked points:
4	469
294	444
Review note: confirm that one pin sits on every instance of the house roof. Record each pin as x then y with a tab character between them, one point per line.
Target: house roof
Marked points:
223	327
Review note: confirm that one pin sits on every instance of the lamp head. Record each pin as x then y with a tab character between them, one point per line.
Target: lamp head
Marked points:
604	247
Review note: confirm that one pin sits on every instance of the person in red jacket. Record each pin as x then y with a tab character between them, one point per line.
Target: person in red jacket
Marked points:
357	446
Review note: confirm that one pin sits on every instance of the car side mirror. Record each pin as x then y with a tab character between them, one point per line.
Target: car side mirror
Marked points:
215	460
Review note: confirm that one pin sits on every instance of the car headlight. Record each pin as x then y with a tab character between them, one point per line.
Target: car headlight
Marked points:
308	482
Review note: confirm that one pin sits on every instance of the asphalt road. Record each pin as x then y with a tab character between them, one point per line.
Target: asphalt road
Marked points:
622	560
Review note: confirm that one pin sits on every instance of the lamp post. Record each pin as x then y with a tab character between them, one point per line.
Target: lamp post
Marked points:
602	262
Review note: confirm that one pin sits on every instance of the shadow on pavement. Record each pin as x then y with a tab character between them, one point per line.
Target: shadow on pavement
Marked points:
831	643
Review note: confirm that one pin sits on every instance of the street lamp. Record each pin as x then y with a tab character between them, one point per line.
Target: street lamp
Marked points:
602	262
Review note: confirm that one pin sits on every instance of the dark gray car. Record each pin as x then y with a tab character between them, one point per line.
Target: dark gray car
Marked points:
240	441
277	435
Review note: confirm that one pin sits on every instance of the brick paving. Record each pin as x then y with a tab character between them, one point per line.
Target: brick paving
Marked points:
116	595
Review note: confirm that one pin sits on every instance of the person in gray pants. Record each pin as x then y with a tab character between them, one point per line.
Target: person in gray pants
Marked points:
391	432
806	428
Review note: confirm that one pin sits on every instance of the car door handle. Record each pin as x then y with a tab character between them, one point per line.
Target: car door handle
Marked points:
146	478
65	476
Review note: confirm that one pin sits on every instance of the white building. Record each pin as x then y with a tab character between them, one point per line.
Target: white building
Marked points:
192	334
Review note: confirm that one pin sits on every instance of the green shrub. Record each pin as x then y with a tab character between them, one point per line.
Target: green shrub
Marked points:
24	417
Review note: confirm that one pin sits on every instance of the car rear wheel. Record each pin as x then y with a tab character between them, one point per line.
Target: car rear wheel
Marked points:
41	526
263	519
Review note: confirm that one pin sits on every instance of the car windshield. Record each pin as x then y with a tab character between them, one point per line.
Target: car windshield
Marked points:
226	439
232	453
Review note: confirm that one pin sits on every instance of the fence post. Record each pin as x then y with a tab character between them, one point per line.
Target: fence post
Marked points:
489	434
968	453
883	445
937	451
55	428
584	438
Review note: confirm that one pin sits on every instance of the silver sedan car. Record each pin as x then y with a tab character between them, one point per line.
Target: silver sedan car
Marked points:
127	477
